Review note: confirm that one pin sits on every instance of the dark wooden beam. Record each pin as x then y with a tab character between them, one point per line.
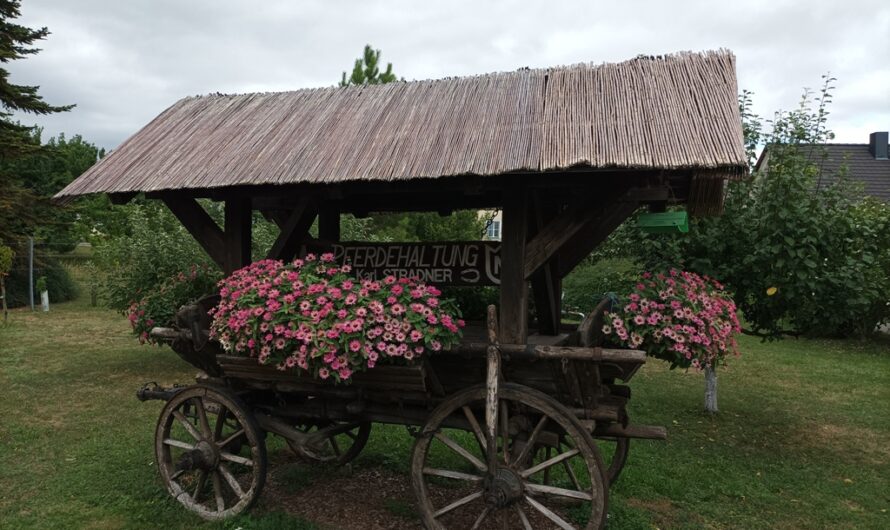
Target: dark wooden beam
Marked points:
121	198
329	223
294	230
585	241
200	225
514	285
238	221
581	216
546	282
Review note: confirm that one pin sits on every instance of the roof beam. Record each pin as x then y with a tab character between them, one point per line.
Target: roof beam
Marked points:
200	225
294	230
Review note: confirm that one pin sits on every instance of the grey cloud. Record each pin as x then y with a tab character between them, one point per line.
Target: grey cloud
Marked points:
124	62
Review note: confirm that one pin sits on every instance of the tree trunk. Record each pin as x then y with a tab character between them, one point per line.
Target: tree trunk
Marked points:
710	389
3	297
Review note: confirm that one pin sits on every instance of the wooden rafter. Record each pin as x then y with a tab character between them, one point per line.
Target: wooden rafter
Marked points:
199	224
294	229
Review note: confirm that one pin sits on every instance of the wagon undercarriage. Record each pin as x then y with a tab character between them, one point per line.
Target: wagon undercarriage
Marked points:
526	435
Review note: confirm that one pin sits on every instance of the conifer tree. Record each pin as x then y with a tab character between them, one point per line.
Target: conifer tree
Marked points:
366	70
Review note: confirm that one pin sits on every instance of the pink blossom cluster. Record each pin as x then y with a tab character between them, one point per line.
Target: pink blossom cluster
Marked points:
158	305
313	315
681	317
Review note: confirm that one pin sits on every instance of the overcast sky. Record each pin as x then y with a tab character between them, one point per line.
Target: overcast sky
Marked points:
124	61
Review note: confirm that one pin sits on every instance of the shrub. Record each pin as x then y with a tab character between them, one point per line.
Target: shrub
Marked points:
590	282
154	247
58	282
158	307
679	317
314	316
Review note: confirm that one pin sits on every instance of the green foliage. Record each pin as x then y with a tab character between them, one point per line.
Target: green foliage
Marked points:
366	70
6	256
153	247
58	282
40	284
462	225
823	250
159	305
585	286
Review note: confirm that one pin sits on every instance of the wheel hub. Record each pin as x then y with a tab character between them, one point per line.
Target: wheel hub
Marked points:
503	488
203	456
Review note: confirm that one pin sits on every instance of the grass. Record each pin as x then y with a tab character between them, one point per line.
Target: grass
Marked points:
801	440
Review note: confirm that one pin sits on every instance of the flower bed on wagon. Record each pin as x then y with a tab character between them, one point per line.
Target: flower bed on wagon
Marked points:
313	315
680	317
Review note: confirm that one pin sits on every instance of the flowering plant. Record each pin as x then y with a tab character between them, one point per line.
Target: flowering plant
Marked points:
679	317
158	307
312	315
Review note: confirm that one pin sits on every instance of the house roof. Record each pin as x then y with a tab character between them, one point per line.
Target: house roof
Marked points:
671	112
856	162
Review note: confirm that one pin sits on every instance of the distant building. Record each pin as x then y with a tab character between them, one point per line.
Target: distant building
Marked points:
865	163
493	220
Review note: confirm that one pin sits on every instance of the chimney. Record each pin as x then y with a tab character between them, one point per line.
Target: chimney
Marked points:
877	145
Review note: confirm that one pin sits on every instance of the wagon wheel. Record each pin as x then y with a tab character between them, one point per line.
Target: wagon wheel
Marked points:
341	448
210	453
456	487
614	451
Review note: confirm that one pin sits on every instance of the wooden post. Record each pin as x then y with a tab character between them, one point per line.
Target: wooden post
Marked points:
546	282
514	289
239	218
329	224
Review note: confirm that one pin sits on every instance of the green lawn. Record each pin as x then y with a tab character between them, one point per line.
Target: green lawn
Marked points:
801	440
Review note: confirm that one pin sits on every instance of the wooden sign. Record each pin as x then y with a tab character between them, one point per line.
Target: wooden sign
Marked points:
451	263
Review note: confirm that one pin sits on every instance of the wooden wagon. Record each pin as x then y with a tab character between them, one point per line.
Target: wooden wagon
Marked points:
512	424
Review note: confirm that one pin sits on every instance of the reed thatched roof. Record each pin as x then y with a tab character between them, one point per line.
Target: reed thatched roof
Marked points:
673	112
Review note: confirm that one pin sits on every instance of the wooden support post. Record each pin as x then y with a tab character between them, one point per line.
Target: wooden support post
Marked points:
238	220
546	282
584	242
329	224
294	230
514	289
204	229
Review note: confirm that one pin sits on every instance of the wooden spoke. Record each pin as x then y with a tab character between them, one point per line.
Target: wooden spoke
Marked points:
458	503
351	434
549	462
229	457
505	430
187	424
560	522
334	446
547	470
202	416
451	474
231	437
220	423
199	488
530	443
571	473
454	446
176	443
477	430
178	474
217	492
480	518
231	480
559	492
526	524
